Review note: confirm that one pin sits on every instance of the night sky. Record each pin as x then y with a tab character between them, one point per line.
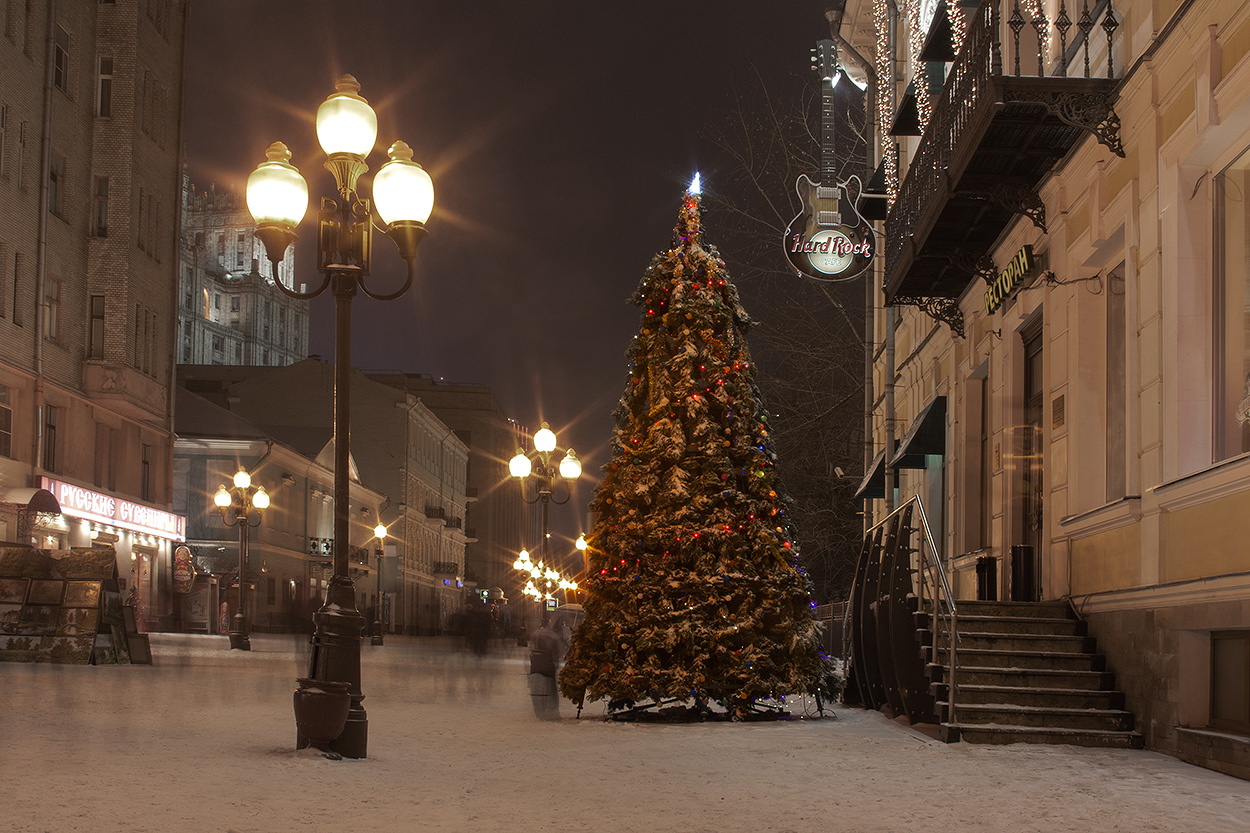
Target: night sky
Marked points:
560	136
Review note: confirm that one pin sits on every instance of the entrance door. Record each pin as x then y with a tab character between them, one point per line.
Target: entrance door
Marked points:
1030	473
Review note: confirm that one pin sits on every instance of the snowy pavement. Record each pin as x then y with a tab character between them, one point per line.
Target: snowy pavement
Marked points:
203	740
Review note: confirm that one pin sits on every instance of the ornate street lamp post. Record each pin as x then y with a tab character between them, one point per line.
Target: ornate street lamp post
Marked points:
521	467
277	196
379	534
238	505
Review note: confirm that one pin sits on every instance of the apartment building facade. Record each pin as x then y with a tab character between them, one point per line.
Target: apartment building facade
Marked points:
89	194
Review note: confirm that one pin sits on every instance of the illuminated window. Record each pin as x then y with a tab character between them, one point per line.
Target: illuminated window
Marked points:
51	308
50	420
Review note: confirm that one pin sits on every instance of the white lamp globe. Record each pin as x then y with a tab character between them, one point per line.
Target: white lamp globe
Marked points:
345	121
261	499
544	439
519	466
402	190
276	193
222	498
242	479
570	466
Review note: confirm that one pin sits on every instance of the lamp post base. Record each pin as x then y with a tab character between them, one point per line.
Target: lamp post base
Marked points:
239	638
336	658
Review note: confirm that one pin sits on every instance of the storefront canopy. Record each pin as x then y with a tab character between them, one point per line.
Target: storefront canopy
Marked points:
36	500
872	486
927	435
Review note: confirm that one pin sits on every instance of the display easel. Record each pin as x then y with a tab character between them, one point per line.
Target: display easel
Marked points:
65	606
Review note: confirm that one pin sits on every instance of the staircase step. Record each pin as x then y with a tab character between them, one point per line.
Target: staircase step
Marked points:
993	658
1033	677
990	733
1065	698
1021	624
1021	642
1046	610
1040	717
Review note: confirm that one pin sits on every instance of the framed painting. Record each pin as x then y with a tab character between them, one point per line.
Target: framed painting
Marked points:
45	591
10	617
38	620
13	590
82	594
77	622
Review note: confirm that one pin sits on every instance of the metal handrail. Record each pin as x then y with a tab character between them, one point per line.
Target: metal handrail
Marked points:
951	617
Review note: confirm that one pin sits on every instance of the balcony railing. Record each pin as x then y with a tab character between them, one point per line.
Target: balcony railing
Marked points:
992	136
436	513
446	568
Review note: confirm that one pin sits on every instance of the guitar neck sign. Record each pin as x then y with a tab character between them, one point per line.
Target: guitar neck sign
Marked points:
828	240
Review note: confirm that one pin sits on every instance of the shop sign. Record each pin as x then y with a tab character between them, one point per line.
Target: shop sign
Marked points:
184	570
77	502
1008	279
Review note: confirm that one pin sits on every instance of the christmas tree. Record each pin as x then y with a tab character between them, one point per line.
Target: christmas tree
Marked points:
694	590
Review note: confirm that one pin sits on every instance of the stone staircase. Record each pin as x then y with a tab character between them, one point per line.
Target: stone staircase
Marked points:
1027	673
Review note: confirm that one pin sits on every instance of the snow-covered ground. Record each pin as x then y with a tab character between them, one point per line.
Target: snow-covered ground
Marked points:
204	741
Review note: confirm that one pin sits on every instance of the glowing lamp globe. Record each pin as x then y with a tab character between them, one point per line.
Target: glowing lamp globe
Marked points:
276	193
242	479
379	531
402	190
261	499
222	498
545	439
519	466
570	466
345	121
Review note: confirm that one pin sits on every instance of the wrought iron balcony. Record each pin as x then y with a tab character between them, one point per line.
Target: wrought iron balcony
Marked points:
446	568
436	513
990	141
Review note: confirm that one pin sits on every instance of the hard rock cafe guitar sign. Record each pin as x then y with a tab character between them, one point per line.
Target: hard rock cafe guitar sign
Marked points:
828	240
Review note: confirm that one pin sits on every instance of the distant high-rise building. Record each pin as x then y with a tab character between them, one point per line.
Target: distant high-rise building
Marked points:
90	96
229	309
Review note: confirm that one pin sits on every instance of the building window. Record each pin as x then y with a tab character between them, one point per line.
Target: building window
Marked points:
60	60
4	139
234	303
49	438
97	327
271	591
1231	324
1117	396
104	89
56	184
143	220
1230	680
51	308
22	129
100	216
238	352
219	344
6	422
240	250
147	492
18	262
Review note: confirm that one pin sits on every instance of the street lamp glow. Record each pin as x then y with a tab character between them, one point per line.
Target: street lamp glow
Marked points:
580	543
519	466
242	479
261	499
276	192
544	440
345	121
402	190
570	466
379	531
222	498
